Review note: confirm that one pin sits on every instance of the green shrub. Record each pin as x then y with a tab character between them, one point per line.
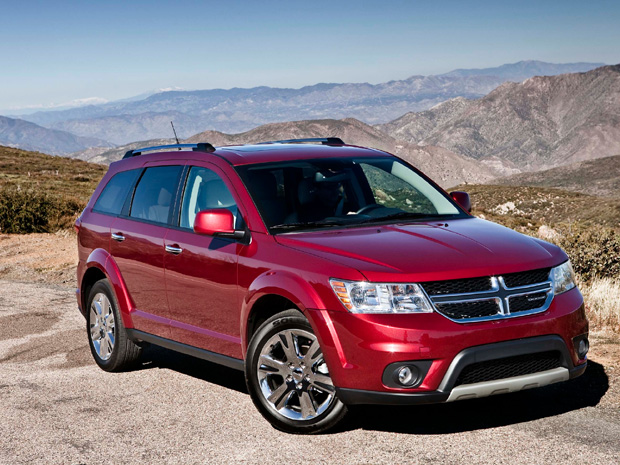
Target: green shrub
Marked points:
594	251
28	211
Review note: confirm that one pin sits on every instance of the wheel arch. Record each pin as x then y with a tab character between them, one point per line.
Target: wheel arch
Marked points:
99	265
271	293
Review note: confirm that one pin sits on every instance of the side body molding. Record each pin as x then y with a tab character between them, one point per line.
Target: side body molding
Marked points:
101	259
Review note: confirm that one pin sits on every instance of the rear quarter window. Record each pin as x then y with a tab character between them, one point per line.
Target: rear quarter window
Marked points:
115	192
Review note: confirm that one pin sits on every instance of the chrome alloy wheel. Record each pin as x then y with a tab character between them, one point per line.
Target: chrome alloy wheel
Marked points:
101	323
293	376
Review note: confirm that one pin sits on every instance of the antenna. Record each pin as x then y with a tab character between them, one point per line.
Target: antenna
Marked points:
175	132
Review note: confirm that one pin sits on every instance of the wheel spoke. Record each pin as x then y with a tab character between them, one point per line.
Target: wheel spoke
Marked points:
94	332
279	397
314	353
307	406
288	346
103	348
106	308
322	383
110	336
97	307
268	362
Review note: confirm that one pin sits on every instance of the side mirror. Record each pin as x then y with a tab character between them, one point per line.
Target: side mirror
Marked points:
219	222
462	198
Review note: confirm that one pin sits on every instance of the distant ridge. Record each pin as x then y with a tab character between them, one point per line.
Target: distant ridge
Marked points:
445	167
522	70
29	136
540	123
237	110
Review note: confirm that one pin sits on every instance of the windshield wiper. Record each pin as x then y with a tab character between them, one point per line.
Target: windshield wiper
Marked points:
309	225
401	215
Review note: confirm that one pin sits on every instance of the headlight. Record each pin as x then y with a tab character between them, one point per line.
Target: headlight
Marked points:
365	297
563	278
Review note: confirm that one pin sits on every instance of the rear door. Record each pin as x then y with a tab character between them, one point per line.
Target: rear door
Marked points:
137	245
201	271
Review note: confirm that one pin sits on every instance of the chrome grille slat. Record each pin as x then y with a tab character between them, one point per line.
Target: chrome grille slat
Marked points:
498	302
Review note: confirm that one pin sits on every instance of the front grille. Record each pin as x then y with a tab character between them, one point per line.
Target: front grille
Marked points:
509	367
474	309
525	278
492	297
523	303
458	286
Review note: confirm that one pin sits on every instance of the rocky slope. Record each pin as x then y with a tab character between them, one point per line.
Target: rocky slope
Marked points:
540	123
595	177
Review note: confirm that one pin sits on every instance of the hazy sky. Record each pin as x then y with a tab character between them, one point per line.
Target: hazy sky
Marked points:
56	51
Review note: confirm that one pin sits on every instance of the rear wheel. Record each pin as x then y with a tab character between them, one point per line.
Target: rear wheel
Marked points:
288	378
107	337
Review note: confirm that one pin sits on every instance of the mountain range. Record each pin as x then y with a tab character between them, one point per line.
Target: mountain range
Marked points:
237	110
543	122
446	168
30	136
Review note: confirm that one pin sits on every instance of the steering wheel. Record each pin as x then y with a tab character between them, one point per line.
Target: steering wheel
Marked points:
368	208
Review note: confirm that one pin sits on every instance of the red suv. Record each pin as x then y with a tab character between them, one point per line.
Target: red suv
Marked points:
331	274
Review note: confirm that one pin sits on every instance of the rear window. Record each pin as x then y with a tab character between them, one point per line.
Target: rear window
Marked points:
115	192
154	193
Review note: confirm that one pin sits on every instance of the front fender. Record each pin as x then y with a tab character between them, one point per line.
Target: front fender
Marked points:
101	259
284	284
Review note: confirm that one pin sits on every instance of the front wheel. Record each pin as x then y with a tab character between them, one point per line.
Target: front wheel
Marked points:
288	378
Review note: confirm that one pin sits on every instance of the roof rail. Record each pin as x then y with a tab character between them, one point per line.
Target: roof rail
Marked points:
199	147
322	140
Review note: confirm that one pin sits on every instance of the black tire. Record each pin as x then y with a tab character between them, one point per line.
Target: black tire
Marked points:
301	377
111	347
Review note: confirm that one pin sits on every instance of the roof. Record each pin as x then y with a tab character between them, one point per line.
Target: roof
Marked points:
253	154
238	155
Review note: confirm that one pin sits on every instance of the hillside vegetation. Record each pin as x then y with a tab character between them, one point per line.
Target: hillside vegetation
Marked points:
595	177
43	193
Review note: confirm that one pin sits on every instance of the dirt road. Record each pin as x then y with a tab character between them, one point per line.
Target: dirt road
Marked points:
56	406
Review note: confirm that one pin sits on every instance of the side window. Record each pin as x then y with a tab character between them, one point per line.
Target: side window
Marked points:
113	196
204	190
154	192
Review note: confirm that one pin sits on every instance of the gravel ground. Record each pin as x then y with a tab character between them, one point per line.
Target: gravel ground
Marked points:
57	406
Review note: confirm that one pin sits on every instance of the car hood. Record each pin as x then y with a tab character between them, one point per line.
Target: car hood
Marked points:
457	249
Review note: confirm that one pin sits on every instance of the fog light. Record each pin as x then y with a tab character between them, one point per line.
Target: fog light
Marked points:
407	375
582	348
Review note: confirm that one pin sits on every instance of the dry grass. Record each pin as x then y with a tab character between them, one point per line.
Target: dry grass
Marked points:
602	297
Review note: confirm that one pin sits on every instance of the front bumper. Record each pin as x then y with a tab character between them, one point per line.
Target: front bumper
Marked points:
358	348
447	391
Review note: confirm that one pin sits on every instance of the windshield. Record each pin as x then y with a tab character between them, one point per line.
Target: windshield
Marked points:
337	192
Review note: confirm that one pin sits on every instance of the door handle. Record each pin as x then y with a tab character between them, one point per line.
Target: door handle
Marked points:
173	249
118	237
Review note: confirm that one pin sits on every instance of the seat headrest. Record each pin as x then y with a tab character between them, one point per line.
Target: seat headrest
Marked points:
164	198
216	194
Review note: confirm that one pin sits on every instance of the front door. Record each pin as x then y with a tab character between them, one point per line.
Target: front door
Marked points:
201	271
